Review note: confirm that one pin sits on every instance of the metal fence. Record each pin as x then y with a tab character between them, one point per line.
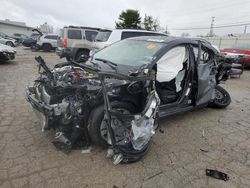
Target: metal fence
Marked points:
227	42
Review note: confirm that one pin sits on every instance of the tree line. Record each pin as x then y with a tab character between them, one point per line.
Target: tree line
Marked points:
131	19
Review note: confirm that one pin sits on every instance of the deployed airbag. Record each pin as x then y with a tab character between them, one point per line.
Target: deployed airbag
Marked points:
170	64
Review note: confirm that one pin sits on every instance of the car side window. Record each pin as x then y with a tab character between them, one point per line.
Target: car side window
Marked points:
205	55
129	34
90	35
74	34
126	34
53	37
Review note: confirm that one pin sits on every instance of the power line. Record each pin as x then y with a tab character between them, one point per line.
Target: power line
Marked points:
211	9
219	26
242	22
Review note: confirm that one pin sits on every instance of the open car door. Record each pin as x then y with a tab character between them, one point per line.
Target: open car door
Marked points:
206	71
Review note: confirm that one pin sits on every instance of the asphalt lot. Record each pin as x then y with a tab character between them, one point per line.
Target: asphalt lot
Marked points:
190	143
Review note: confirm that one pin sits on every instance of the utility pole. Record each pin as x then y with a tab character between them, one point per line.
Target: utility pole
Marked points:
211	32
166	29
245	30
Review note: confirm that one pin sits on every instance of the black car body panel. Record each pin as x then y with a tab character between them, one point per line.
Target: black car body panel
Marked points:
69	95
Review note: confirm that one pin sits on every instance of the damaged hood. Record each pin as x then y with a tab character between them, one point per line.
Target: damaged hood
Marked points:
120	69
5	48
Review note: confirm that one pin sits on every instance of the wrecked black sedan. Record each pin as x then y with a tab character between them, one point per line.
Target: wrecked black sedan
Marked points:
115	97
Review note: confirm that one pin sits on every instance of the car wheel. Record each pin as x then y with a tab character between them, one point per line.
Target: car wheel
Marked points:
97	127
34	48
10	44
78	55
46	47
222	98
68	58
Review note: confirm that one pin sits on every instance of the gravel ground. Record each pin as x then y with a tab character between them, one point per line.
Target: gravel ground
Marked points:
176	159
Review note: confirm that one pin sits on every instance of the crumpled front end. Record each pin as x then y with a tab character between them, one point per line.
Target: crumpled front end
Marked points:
61	99
143	125
133	133
5	56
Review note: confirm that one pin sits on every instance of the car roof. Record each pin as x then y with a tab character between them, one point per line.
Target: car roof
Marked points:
50	35
162	39
81	27
176	40
133	30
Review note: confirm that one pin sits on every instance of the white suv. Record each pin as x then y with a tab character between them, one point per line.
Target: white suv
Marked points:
105	37
47	42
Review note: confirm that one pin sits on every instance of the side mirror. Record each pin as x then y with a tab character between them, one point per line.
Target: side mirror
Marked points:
83	58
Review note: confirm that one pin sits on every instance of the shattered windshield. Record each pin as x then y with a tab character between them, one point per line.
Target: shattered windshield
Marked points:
130	52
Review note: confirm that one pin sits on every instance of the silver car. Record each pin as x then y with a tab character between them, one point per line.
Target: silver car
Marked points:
8	41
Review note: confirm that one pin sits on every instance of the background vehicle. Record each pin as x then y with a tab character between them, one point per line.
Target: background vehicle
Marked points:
240	52
7	53
8	41
31	41
76	41
106	37
114	97
47	42
19	37
4	35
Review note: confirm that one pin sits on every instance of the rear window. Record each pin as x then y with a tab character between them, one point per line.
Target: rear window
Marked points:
74	34
53	37
103	36
90	35
129	34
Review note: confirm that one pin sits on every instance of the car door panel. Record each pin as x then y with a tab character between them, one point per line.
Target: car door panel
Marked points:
183	100
206	78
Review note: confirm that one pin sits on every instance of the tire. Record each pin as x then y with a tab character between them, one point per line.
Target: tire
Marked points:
78	55
10	44
222	98
96	119
68	58
34	48
46	47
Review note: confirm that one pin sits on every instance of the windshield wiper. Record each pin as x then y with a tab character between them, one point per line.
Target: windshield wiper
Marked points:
110	63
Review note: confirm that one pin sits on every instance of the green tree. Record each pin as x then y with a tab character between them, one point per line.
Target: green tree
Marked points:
129	19
148	22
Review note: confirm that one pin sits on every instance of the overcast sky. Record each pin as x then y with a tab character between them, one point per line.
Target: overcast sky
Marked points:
177	14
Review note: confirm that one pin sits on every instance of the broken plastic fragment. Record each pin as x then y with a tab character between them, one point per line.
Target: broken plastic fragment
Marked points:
217	174
117	159
110	153
85	151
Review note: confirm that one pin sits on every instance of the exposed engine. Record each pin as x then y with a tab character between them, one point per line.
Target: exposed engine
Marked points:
66	94
65	97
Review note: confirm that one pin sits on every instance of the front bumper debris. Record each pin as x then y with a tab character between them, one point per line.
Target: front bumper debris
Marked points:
37	104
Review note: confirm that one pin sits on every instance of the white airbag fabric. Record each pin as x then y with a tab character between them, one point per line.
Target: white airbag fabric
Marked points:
170	64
